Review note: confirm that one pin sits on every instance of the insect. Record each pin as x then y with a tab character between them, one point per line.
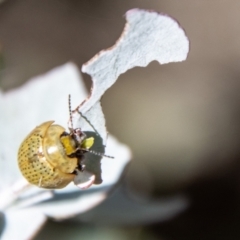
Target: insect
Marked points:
50	157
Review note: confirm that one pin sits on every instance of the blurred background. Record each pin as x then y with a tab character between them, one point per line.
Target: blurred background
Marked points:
181	120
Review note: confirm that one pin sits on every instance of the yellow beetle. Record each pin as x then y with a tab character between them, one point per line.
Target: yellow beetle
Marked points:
49	156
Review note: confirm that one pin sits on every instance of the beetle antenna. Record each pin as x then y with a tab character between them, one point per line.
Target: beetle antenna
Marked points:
70	111
97	153
95	130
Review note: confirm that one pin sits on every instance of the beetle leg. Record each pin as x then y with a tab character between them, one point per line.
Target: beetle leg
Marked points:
81	167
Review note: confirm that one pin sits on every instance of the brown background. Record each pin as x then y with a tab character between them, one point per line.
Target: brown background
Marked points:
181	120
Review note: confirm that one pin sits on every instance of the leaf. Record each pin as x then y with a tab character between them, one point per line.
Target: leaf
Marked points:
147	36
121	209
22	224
42	99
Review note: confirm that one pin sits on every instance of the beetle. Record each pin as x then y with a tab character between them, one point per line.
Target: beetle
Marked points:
50	157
